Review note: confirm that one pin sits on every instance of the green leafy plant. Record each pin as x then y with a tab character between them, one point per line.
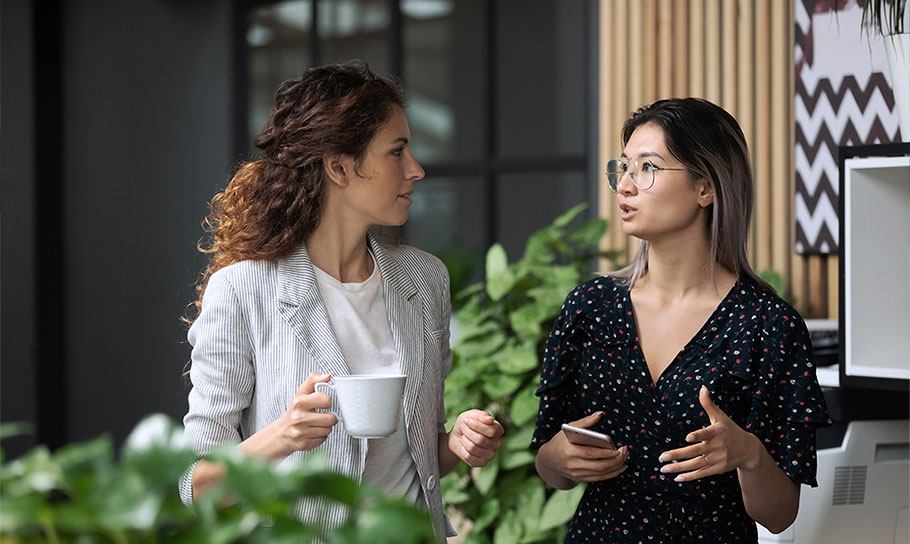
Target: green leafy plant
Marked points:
503	325
82	493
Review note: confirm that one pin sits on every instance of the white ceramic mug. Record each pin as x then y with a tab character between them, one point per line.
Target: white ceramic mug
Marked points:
369	405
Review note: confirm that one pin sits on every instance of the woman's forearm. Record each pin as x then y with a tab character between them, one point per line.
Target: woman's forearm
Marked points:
447	459
769	495
265	444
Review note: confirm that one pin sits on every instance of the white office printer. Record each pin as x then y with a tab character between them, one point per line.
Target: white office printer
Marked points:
864	459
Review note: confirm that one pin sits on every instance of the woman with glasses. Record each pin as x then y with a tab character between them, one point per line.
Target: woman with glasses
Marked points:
699	372
298	289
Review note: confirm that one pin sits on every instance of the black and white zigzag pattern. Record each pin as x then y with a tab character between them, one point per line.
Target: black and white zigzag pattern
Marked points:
831	110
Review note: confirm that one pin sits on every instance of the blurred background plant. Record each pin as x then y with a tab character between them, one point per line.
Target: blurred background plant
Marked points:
82	493
777	281
503	324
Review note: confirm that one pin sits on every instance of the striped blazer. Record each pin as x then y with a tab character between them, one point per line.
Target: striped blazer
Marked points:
264	327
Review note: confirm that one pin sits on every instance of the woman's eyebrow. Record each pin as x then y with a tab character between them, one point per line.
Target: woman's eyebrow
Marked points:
645	154
399	140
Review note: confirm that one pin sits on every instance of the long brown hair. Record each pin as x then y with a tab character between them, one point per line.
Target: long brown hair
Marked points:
272	204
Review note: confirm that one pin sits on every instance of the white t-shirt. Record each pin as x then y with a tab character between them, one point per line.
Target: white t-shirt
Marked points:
357	312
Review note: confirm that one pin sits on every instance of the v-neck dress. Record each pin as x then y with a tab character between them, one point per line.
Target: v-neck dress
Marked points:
754	356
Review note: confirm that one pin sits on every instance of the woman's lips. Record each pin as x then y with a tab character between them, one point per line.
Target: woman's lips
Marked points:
627	211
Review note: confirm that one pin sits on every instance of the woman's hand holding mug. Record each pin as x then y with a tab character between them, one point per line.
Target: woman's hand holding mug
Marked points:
301	427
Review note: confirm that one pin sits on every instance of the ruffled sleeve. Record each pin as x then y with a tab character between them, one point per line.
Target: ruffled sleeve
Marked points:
560	363
788	406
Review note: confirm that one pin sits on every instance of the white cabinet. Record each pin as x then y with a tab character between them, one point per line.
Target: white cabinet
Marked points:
875	252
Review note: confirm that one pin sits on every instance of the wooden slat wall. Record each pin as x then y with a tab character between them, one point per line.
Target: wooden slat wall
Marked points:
738	54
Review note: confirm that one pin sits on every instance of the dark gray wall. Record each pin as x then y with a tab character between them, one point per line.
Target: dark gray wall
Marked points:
143	140
17	265
147	139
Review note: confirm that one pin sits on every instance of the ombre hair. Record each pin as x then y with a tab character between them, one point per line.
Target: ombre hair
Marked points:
710	144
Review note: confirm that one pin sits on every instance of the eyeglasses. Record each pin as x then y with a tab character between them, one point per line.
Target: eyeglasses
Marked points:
642	173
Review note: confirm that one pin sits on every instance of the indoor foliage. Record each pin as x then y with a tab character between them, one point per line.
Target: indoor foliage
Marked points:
503	324
82	493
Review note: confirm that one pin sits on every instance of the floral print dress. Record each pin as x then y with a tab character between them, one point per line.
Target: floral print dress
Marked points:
754	356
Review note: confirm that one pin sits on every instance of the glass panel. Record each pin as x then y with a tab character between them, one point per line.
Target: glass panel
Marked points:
355	29
542	196
444	71
542	58
278	37
447	219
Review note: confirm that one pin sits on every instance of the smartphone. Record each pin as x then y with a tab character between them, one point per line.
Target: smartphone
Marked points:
586	437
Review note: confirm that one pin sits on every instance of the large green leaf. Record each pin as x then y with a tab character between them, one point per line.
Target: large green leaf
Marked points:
518	440
590	233
514	459
517	358
489	512
499	277
499	386
394	522
524	405
453	491
509	529
560	507
526	320
567	217
485	477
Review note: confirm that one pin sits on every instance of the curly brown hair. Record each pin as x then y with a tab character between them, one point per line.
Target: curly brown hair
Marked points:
272	204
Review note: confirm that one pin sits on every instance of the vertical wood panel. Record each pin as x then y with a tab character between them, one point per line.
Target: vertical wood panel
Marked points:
681	48
607	139
696	48
744	86
712	31
781	188
620	110
650	42
762	152
729	54
665	35
833	278
816	292
797	281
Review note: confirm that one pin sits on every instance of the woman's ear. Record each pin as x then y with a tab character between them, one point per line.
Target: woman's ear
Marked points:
336	170
705	193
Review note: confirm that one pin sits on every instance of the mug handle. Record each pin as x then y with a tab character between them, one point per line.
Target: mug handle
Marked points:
331	386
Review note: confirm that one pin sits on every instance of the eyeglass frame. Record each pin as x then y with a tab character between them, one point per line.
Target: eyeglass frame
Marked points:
633	174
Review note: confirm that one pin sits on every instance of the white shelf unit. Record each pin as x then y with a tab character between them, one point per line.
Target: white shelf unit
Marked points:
876	249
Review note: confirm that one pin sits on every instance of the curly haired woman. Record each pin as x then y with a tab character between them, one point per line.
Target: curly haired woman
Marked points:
298	289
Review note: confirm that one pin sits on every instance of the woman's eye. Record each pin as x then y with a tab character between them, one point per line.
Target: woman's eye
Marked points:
648	166
398	152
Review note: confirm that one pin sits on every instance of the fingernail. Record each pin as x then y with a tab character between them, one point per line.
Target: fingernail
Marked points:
678	478
662	458
690	438
665	469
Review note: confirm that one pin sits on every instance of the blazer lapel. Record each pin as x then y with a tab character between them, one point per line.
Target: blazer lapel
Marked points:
405	314
302	307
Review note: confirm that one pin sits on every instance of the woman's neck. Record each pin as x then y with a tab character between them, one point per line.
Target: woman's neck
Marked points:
340	250
680	269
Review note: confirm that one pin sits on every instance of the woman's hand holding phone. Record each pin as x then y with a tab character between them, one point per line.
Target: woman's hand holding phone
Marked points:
579	455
